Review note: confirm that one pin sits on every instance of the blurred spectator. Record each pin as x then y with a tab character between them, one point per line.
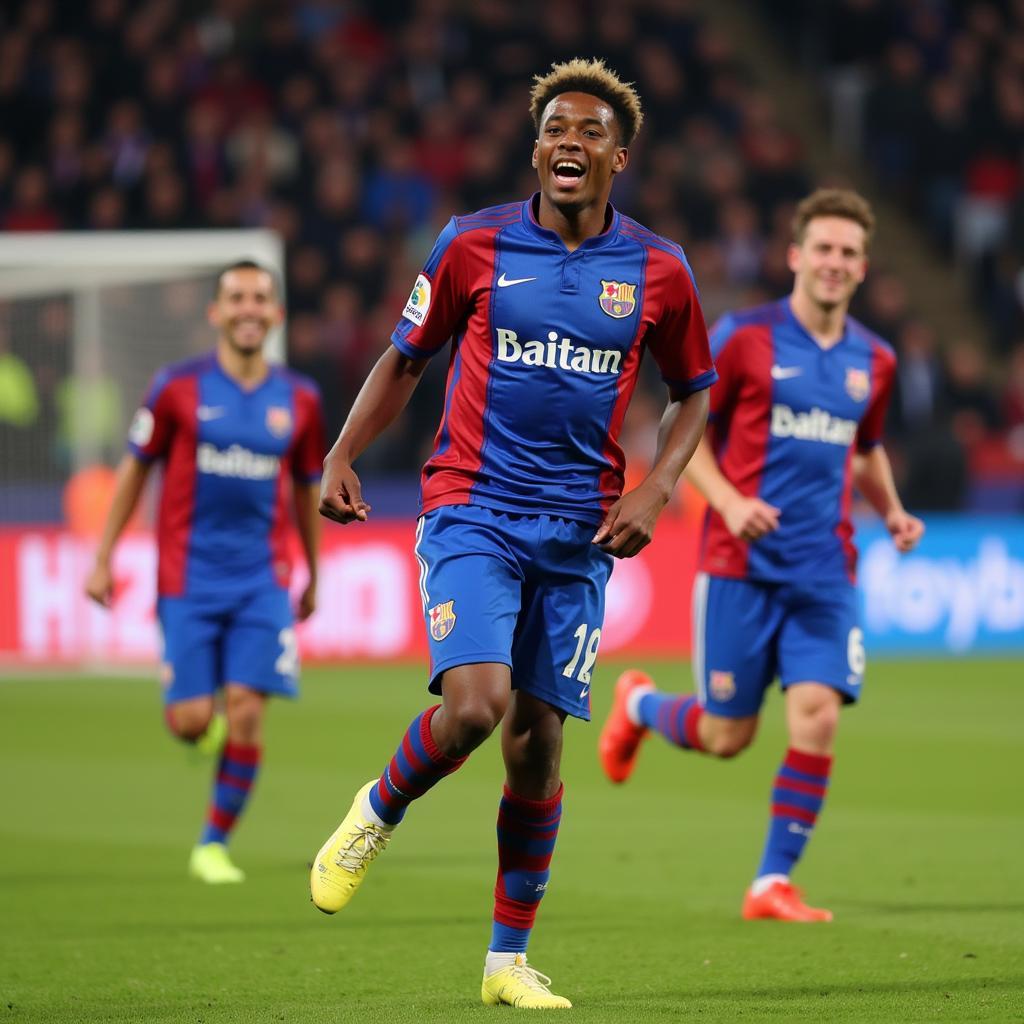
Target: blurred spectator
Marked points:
919	392
972	404
30	208
1013	392
19	400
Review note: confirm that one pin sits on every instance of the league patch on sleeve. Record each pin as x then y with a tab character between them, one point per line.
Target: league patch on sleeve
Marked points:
141	430
419	301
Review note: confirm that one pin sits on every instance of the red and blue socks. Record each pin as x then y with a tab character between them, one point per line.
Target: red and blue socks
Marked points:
417	766
797	797
674	716
236	772
527	830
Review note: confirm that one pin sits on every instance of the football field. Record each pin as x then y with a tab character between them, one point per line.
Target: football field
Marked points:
920	854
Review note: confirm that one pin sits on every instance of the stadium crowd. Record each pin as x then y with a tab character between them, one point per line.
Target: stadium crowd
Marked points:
355	130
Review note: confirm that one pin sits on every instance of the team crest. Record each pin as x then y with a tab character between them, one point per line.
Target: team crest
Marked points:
442	619
721	684
279	420
858	384
617	298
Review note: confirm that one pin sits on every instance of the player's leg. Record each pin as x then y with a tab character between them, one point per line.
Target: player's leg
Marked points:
821	664
733	662
470	589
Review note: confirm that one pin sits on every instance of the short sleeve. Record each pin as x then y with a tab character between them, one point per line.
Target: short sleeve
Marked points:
309	445
438	299
678	339
152	426
883	373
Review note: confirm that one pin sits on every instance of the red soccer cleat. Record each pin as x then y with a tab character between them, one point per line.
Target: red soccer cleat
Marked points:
782	902
620	739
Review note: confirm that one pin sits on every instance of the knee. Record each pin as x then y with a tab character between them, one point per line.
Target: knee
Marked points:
467	725
245	715
188	721
817	728
726	739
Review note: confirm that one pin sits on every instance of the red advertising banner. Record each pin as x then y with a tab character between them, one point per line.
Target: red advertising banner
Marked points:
369	605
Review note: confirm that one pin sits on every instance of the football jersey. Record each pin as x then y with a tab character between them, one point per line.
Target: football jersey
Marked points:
786	418
228	454
546	345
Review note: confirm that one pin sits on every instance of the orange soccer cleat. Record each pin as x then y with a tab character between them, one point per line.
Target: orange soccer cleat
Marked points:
619	742
783	902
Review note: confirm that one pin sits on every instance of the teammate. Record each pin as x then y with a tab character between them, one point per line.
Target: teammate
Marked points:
549	304
796	420
232	431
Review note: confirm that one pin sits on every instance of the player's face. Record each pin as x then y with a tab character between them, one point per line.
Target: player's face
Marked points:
830	262
245	310
578	151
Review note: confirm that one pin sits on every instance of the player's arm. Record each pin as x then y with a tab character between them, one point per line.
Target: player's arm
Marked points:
130	480
307	500
384	394
629	525
748	518
872	476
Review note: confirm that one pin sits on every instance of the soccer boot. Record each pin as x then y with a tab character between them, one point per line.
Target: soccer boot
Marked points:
210	863
783	902
521	986
620	739
343	860
212	741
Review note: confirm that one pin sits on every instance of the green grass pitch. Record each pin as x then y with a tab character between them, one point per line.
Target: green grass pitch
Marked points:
920	853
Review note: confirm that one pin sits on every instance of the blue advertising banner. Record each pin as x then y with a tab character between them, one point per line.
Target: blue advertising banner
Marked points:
960	592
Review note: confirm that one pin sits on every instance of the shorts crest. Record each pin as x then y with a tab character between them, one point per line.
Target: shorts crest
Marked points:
721	684
617	298
442	619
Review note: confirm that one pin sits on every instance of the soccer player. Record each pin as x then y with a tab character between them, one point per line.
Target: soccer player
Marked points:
233	433
549	304
796	421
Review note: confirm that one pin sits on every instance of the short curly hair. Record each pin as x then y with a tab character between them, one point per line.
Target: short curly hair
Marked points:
834	202
593	78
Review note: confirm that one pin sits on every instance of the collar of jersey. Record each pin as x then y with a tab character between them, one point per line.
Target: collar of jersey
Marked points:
804	333
606	237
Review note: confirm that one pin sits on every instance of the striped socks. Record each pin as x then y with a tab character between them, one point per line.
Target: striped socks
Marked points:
418	765
673	716
236	772
527	830
797	797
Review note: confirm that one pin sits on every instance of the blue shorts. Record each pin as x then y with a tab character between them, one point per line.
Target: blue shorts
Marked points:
526	591
747	632
243	637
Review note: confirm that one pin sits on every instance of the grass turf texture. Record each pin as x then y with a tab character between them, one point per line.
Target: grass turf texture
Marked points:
918	853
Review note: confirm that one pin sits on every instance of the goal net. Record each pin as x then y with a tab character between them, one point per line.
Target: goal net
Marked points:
85	320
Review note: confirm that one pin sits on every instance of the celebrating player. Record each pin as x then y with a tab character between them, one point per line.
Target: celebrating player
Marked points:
231	430
549	304
796	420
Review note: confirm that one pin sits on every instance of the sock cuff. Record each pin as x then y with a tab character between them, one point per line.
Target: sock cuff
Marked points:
434	752
809	764
535	808
690	720
242	753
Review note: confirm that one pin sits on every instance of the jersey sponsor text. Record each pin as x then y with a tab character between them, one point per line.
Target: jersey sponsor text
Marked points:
816	425
557	354
236	461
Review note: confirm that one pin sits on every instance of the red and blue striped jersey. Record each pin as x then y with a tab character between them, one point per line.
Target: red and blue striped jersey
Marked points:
786	418
546	346
228	457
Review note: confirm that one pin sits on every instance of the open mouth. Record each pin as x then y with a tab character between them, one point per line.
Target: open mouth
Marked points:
568	173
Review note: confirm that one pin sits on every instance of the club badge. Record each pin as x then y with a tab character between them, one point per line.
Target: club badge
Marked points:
442	619
617	298
279	420
858	383
721	684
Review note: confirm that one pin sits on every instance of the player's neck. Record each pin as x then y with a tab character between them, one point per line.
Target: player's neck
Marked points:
248	369
825	325
574	227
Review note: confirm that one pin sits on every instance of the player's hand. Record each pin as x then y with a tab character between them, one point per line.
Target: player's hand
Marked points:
629	525
307	602
99	584
750	518
906	530
341	495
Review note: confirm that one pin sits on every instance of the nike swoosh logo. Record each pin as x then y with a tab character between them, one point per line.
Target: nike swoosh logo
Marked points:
785	372
506	282
210	412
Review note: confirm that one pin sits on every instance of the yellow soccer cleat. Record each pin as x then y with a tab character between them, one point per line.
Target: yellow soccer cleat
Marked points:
343	860
521	986
211	743
210	863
